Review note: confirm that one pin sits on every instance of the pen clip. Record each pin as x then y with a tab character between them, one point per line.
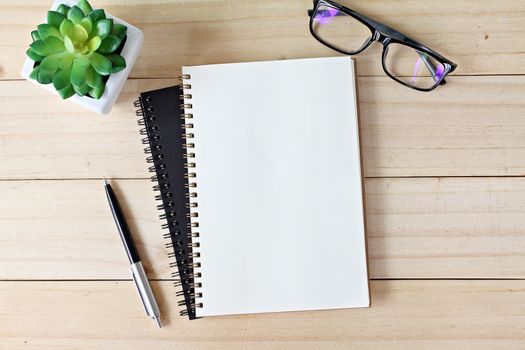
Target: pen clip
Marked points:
139	290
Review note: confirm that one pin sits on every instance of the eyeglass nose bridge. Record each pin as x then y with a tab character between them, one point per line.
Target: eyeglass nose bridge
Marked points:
380	38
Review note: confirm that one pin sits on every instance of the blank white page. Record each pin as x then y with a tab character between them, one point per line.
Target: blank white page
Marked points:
279	186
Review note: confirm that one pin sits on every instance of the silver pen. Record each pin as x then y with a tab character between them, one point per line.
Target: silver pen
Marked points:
137	270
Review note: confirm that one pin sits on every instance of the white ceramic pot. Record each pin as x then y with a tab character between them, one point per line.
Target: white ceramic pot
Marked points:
116	81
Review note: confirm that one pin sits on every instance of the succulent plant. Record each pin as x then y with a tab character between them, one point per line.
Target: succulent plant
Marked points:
75	50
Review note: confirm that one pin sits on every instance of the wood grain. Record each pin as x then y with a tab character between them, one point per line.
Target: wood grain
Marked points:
405	314
50	139
472	127
417	228
483	37
446	227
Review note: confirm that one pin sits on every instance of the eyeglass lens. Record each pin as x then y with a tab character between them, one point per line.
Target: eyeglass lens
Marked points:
412	67
339	30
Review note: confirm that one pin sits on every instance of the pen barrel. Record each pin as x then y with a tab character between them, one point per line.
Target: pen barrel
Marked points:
146	294
122	226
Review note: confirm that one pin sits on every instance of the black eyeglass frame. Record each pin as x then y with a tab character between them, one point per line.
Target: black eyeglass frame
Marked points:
384	35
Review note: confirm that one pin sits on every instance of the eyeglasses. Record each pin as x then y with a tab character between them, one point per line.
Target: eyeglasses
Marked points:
404	59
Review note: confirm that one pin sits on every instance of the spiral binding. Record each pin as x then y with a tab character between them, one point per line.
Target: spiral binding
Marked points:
182	241
192	214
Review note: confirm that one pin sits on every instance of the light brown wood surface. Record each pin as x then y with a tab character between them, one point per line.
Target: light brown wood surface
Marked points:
417	228
404	315
482	36
473	126
445	192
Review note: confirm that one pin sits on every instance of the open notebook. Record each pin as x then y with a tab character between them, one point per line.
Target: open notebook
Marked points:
258	169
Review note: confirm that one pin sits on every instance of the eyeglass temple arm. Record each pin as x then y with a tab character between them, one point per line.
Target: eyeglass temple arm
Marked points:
430	66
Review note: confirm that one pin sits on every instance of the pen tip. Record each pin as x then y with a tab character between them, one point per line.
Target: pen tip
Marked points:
159	323
105	181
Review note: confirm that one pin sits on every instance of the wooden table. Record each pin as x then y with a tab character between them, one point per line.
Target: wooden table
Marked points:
445	193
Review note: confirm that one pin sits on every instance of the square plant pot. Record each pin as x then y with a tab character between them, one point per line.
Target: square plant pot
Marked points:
115	82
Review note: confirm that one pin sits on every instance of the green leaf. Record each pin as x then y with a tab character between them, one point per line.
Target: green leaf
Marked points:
82	89
66	92
103	28
62	79
47	30
66	60
68	43
40	48
101	63
119	30
94	44
97	15
98	91
109	44
75	14
93	79
80	34
45	77
87	24
67	28
79	72
34	73
63	9
55	18
85	7
33	55
50	64
118	62
62	60
35	36
54	44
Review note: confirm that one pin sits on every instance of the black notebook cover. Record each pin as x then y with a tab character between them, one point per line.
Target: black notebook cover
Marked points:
162	117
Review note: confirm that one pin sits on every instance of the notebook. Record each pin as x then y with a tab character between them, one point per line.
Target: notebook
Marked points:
258	173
